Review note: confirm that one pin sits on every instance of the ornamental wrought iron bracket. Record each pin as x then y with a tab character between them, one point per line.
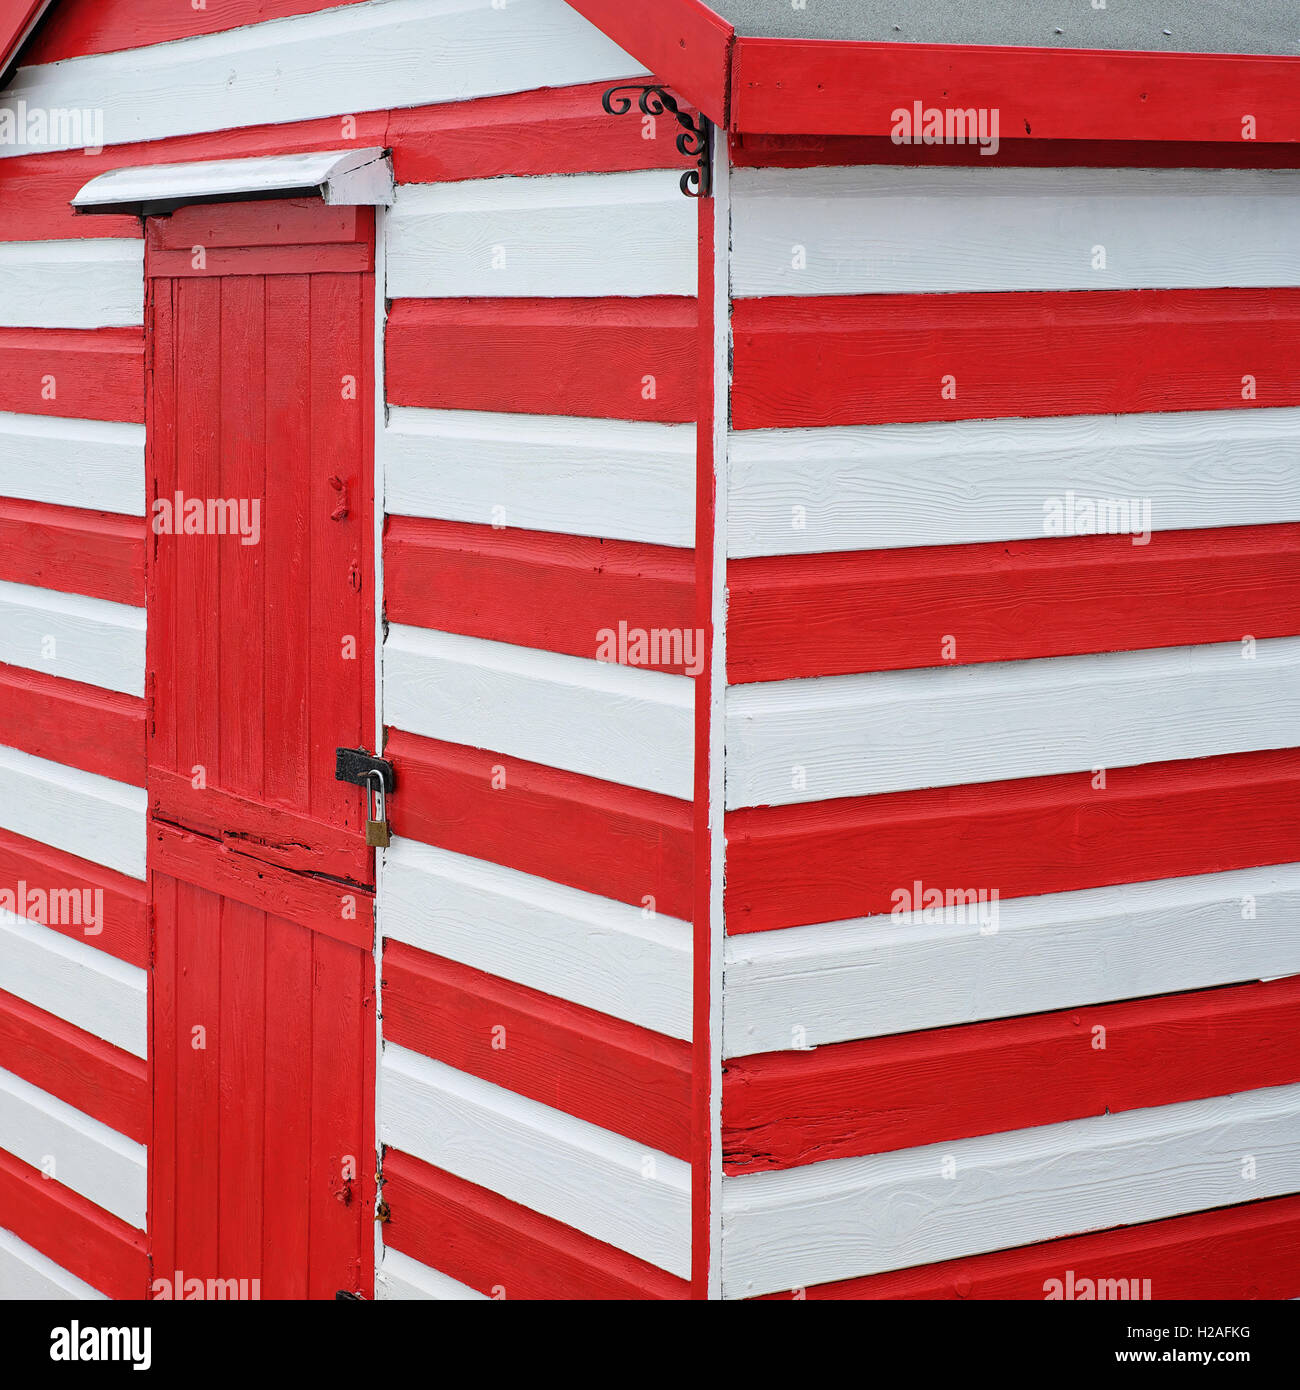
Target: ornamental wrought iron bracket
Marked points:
693	140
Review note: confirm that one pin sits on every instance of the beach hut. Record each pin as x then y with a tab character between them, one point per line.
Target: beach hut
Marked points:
649	651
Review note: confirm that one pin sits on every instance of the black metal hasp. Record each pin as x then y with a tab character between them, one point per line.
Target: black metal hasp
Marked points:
693	139
357	766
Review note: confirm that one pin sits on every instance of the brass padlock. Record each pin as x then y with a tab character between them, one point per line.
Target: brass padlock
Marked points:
377	833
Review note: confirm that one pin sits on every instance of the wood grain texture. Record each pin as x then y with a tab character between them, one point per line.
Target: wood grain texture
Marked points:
602	955
77	812
897	730
103	1081
125	919
542	474
73	1232
785	1109
564	236
609	1187
830	615
71	284
898	230
857	1216
495	1247
82	639
98	466
872	977
88	988
83	726
636	845
825	861
966	481
883	359
342	60
72	551
1241	1252
82	375
588	1064
27	1274
103	1166
616	723
783	85
533	589
399	1278
618	359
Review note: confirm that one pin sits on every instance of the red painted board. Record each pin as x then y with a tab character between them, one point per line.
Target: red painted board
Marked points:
618	842
281	222
27	867
832	860
783	1109
1243	1252
532	588
502	1249
79	374
810	86
886	610
100	1249
616	359
99	731
91	1075
883	359
605	1071
73	551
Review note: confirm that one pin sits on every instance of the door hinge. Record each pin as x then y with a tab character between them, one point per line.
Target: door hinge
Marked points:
357	766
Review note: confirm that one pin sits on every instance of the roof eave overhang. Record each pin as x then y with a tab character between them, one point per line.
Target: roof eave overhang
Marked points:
18	21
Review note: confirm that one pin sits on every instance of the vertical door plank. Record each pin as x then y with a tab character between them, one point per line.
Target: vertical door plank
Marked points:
163	1035
161	554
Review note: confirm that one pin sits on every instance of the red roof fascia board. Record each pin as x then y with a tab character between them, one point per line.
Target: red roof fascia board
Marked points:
18	20
682	42
822	87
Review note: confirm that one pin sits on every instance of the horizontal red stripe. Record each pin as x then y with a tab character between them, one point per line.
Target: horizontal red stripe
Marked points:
291	222
97	1247
125	931
619	842
619	359
601	1069
822	87
531	133
100	731
830	860
100	1080
1244	1252
881	359
782	1109
73	551
885	610
262	260
79	374
530	588
502	1249
819	151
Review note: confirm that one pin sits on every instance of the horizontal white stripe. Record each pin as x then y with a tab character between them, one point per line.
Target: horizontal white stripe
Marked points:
400	1277
69	1147
94	464
886	230
618	723
590	950
81	813
72	980
583	235
799	492
618	479
814	740
28	1275
72	636
87	283
359	57
849	1217
872	976
615	1190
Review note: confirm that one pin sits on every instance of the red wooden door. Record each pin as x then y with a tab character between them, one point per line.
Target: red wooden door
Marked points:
261	664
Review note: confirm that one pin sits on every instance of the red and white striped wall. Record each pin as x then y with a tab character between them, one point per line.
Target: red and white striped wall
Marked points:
932	689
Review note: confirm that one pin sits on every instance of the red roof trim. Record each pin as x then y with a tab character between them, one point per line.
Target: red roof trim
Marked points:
821	87
18	21
682	42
